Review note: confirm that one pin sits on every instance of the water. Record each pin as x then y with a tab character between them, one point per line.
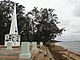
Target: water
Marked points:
73	46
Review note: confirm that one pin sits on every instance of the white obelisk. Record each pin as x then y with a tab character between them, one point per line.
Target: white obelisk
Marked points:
13	28
13	34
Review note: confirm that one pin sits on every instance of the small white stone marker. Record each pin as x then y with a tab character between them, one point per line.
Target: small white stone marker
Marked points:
41	43
25	52
34	46
9	46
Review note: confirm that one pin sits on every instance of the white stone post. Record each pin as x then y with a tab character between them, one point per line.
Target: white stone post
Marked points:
41	43
34	46
25	51
9	46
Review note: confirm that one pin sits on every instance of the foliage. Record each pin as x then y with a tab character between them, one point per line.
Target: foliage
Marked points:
44	24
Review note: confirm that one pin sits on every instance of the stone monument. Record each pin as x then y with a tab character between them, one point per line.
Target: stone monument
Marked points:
9	46
13	34
25	51
34	46
41	43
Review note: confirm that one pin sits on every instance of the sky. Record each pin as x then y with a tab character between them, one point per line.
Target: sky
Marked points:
68	12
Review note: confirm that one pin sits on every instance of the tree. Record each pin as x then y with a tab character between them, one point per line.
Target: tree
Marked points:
44	24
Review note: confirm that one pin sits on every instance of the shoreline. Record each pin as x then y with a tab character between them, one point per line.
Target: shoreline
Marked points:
72	48
60	53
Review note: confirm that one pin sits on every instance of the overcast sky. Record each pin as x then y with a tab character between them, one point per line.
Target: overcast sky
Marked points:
68	12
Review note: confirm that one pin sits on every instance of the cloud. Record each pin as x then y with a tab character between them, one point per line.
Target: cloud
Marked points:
76	4
77	10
